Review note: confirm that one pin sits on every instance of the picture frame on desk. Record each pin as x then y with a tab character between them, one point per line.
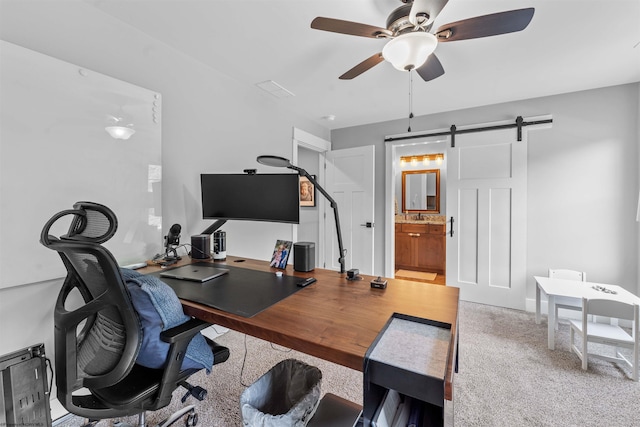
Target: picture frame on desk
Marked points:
307	192
281	252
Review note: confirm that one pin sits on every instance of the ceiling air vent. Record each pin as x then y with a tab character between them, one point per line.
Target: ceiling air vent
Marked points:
274	89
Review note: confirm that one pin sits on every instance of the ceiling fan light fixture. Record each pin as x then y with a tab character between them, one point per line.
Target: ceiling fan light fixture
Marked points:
120	132
410	50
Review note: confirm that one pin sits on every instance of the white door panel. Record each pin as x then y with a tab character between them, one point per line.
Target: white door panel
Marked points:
350	181
467	266
487	186
361	214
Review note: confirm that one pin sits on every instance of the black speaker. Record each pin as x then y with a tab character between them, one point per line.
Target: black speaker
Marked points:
304	256
200	246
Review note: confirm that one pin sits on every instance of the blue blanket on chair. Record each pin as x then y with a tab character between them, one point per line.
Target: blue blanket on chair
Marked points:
159	309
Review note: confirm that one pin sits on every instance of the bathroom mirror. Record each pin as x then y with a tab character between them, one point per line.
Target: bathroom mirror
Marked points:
421	191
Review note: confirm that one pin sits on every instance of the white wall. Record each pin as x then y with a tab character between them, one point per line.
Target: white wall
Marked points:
638	208
582	179
210	123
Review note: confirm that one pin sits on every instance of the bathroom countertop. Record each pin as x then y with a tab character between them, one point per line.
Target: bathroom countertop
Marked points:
424	219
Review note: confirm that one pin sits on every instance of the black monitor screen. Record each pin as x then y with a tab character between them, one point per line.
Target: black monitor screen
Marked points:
257	197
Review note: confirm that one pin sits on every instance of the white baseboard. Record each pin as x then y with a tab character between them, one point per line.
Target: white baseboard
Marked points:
530	306
57	410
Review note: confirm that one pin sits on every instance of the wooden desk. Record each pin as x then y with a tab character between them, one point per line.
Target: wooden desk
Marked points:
336	319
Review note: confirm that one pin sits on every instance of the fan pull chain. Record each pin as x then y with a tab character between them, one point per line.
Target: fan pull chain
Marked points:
410	99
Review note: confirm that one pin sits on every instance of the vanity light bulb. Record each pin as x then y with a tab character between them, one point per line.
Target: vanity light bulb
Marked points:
414	161
439	160
425	160
403	162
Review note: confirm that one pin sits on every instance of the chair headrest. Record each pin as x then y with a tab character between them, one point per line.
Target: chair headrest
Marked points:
91	222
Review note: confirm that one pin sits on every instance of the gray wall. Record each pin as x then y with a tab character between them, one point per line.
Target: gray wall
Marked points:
582	179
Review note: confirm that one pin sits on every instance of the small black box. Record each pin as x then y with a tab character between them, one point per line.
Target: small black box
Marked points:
201	246
304	256
379	283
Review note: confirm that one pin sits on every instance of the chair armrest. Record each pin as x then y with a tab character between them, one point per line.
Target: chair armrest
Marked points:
186	330
178	337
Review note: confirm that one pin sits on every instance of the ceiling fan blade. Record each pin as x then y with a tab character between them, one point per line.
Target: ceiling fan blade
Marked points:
430	8
365	65
431	69
350	28
486	25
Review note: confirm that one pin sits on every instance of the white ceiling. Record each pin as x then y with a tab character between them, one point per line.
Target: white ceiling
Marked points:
570	45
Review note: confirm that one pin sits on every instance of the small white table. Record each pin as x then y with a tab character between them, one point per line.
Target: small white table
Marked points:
553	288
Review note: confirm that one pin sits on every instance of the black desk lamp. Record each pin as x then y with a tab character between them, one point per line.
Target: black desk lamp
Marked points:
281	162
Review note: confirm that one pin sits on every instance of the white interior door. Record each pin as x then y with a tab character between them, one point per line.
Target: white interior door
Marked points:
486	197
350	181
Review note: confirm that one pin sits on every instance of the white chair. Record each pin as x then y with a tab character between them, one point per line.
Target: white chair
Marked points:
565	302
607	334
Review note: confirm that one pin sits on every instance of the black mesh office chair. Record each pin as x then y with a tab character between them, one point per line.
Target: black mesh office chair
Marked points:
97	343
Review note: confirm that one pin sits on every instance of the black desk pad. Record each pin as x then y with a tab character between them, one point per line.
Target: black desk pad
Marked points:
242	291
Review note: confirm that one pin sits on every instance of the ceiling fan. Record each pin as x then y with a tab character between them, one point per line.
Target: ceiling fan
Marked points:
411	43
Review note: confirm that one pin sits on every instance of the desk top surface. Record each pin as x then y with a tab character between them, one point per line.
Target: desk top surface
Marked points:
579	289
336	319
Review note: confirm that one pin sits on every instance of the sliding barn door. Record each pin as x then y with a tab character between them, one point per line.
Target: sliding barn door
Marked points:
486	197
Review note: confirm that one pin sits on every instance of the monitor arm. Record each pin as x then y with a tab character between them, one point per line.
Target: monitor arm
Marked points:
213	227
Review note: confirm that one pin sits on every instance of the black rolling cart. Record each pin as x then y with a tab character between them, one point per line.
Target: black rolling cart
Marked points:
404	373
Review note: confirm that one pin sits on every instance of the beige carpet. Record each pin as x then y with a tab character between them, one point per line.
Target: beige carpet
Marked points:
508	377
410	274
250	358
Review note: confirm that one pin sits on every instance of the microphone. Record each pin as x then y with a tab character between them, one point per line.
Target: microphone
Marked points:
172	239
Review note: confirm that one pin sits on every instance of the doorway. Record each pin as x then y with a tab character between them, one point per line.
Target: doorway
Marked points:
428	156
348	176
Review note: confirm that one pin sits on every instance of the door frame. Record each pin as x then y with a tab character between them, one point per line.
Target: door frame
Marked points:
389	212
311	142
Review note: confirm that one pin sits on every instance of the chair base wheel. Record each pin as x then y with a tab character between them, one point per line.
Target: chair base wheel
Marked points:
192	420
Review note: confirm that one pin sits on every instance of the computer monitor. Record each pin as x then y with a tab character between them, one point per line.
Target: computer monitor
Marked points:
252	197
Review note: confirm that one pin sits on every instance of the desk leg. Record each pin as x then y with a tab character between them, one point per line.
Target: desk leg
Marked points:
538	316
551	321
